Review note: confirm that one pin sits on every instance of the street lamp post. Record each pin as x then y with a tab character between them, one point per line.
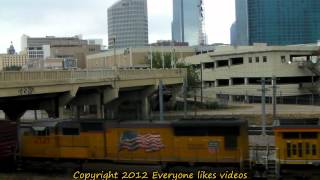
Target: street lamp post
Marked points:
114	53
201	83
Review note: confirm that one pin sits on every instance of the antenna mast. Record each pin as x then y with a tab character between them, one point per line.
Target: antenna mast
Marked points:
202	34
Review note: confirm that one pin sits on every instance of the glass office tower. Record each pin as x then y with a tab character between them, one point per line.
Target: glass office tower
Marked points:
278	22
186	21
128	23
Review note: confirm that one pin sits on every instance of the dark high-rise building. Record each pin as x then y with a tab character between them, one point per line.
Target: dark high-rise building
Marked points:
239	28
186	21
11	49
277	22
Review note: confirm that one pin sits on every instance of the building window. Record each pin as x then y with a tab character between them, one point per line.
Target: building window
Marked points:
264	59
257	59
250	59
283	59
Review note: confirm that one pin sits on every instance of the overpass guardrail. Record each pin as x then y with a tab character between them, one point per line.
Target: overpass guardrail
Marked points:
66	75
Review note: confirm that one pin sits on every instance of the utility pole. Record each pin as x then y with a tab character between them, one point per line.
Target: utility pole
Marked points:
131	63
174	58
195	102
161	100
274	97
162	57
185	91
114	52
172	55
151	58
201	84
263	105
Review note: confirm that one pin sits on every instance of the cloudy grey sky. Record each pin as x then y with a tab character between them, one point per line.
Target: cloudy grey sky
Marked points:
89	18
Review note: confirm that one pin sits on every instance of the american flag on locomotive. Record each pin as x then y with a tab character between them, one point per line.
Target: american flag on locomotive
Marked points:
132	140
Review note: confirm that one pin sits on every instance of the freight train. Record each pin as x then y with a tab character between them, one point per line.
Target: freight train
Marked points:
215	142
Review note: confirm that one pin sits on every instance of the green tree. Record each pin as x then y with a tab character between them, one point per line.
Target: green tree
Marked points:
12	68
192	73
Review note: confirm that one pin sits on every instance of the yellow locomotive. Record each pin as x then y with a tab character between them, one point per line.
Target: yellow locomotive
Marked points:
203	141
297	144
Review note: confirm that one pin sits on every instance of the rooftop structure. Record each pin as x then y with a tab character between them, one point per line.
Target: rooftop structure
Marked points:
234	73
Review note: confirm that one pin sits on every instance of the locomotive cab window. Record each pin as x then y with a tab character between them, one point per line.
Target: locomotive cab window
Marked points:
290	135
303	135
230	142
40	131
190	131
206	131
70	131
309	135
86	127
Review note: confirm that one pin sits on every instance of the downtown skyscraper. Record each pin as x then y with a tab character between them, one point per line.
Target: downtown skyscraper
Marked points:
276	22
128	24
186	23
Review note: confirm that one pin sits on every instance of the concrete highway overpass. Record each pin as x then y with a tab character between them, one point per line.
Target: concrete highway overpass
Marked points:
104	89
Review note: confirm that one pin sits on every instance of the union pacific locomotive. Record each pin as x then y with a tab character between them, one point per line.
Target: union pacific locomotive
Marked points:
297	144
206	141
218	142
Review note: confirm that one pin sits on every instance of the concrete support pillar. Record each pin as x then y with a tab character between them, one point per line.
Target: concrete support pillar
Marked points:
230	82
111	111
99	111
138	111
93	100
110	114
110	102
13	114
52	113
63	100
145	108
76	111
110	94
145	105
61	111
51	107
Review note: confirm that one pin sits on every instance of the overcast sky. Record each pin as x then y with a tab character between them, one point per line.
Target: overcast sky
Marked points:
39	18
